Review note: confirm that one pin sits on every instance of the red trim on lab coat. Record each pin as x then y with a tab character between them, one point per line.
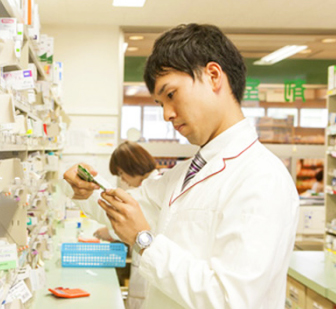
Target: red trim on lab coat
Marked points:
221	170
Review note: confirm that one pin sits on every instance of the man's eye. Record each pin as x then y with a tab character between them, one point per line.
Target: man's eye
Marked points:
170	95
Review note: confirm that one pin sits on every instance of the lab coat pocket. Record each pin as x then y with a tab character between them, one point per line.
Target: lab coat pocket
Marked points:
191	230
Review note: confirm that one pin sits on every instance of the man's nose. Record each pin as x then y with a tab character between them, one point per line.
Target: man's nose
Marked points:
168	112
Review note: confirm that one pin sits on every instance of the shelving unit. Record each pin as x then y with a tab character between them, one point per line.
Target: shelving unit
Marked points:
330	173
27	169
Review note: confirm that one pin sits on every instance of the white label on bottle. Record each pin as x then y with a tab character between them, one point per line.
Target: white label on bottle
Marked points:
18	291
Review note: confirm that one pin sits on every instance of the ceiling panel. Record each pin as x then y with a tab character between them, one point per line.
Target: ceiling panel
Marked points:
257	27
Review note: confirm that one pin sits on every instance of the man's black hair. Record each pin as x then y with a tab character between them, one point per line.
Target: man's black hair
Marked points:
189	48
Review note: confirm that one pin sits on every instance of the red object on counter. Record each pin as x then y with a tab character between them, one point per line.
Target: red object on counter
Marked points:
69	293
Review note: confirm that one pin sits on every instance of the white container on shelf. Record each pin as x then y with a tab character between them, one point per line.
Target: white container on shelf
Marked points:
52	163
332	77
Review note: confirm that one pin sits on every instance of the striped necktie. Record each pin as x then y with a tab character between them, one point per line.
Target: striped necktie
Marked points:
196	165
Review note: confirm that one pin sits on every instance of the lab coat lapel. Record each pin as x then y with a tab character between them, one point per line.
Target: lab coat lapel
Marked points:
179	183
229	145
215	166
209	170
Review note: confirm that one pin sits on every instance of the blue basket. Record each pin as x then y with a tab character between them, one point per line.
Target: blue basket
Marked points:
93	255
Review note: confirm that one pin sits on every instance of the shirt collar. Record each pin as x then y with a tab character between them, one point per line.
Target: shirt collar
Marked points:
230	142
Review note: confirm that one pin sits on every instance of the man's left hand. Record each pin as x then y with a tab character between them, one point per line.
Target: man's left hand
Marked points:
125	214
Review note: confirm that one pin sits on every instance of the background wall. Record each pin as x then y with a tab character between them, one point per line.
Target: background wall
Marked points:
93	62
313	71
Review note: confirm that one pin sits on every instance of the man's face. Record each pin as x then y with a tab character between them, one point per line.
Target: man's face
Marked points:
190	105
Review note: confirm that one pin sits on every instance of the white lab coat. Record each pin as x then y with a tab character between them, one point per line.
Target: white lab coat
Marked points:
226	240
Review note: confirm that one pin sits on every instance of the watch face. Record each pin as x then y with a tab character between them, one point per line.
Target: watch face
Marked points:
145	239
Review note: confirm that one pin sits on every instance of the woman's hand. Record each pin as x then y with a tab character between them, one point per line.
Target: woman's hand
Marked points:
103	233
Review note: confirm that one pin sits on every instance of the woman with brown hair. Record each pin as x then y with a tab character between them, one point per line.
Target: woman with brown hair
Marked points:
133	164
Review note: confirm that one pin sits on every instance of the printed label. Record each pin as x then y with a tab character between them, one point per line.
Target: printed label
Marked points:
18	291
8	256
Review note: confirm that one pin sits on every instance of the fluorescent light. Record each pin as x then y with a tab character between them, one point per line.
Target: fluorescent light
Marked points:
328	40
280	54
305	51
132	49
129	3
136	37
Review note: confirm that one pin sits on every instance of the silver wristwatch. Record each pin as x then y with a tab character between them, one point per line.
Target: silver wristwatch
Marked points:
143	240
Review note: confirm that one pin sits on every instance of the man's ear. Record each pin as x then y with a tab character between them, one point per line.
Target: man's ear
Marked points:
215	75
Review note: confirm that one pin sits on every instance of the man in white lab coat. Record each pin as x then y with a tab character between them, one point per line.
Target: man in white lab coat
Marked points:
223	239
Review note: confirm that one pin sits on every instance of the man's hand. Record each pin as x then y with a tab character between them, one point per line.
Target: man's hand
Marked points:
125	214
82	189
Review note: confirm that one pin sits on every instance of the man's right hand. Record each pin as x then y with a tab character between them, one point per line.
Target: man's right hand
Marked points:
82	189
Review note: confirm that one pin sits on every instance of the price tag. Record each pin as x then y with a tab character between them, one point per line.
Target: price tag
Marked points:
23	273
18	291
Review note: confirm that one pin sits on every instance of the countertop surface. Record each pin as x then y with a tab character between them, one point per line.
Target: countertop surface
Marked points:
101	283
312	269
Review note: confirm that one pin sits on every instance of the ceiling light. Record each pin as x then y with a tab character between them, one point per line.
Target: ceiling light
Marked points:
305	51
129	3
329	40
136	37
280	54
132	49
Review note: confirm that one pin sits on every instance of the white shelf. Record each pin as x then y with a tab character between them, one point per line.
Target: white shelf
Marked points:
43	148
330	165
21	153
12	67
9	148
53	148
